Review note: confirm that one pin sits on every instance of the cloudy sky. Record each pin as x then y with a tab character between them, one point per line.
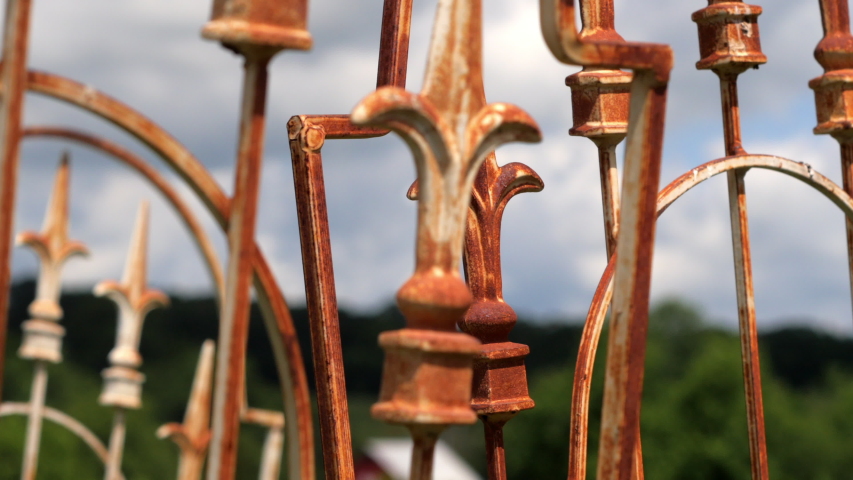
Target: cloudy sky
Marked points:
148	53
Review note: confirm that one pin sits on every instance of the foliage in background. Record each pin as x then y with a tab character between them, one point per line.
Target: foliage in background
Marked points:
693	417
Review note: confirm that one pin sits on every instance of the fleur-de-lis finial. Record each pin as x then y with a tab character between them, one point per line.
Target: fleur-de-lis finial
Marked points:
52	247
450	130
122	381
493	188
43	336
427	378
133	297
500	378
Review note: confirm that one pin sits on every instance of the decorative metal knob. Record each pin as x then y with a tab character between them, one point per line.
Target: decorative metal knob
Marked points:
600	96
728	36
834	89
600	100
274	24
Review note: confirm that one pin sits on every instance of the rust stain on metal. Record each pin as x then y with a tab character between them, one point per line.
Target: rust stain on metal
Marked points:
394	43
14	78
133	161
273	305
306	140
600	99
135	300
43	335
307	135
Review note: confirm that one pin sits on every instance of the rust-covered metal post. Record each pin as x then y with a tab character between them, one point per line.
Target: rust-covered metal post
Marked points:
42	339
14	80
651	64
426	383
307	135
600	103
729	44
122	380
257	30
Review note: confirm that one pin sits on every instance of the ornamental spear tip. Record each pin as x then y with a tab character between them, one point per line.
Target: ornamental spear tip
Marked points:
52	246
132	296
192	436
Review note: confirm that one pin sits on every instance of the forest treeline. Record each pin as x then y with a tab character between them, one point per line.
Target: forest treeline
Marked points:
693	418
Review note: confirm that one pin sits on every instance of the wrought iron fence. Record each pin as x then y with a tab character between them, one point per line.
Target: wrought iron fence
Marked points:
453	362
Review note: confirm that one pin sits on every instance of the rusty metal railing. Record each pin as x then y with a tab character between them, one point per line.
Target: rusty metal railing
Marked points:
453	362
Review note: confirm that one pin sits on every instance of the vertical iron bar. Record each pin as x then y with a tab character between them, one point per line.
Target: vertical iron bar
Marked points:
627	343
113	471
582	382
835	17
423	453
34	422
234	321
835	54
271	454
14	78
743	280
609	192
748	330
731	113
847	182
495	456
394	43
306	142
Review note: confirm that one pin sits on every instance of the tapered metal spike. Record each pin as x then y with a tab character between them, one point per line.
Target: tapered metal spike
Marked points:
193	435
132	296
52	247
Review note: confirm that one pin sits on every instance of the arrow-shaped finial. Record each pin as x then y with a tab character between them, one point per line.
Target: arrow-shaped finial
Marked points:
132	296
52	247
